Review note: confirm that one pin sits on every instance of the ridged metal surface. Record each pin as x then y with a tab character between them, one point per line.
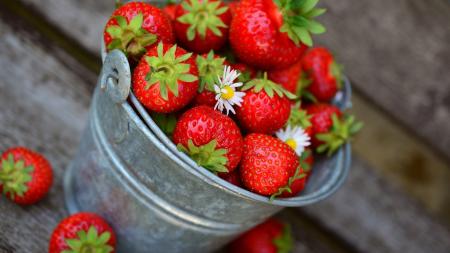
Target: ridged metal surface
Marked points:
156	198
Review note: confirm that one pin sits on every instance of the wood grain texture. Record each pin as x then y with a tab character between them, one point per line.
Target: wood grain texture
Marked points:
44	107
398	55
375	216
396	52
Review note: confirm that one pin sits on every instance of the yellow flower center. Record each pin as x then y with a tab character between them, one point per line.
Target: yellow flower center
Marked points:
228	93
291	143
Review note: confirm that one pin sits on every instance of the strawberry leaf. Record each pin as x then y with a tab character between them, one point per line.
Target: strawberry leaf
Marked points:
298	20
14	176
341	131
299	174
89	241
167	70
270	88
202	16
207	156
285	241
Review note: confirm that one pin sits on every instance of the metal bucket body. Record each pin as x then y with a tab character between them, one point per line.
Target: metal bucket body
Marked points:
156	198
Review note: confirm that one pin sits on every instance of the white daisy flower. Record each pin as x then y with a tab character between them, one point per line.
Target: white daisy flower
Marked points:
295	137
226	94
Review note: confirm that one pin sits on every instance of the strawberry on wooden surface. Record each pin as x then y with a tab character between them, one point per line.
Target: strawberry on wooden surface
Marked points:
267	164
25	176
323	77
210	138
202	25
82	233
265	108
331	128
272	34
135	27
165	80
271	236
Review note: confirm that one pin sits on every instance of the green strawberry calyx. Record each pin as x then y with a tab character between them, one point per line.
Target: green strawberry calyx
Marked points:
302	88
202	15
209	68
207	156
14	176
302	159
167	70
341	131
130	37
299	117
269	87
336	72
299	174
89	242
298	20
285	241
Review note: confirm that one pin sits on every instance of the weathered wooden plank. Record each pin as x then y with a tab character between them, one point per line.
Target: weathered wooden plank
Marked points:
375	216
396	52
44	107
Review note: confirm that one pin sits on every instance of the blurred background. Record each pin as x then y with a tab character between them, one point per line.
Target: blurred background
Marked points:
396	53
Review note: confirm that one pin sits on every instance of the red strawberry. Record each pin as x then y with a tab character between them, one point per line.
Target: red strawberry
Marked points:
209	66
267	164
170	11
289	77
232	177
306	161
83	232
233	6
165	79
265	107
247	72
331	129
135	27
271	236
212	139
270	34
25	176
202	25
323	74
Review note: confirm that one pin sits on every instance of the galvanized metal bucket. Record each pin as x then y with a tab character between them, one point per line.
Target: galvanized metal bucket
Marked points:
157	198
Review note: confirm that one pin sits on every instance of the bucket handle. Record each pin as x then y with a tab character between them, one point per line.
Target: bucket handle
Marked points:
115	77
